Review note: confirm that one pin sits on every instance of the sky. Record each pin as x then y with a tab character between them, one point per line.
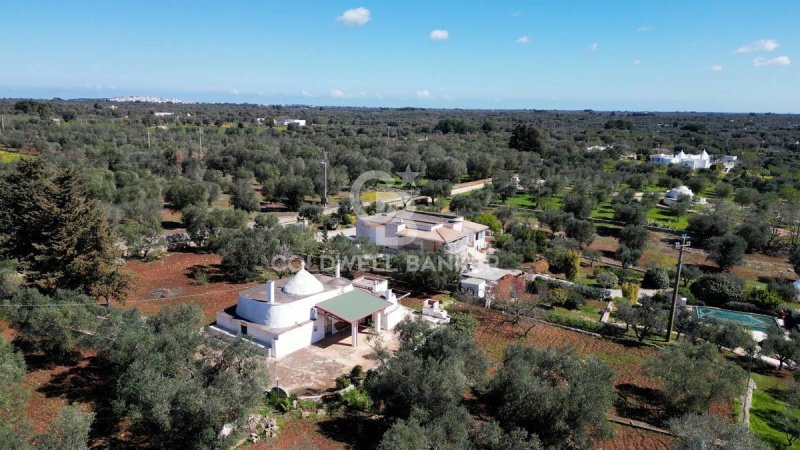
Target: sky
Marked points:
727	56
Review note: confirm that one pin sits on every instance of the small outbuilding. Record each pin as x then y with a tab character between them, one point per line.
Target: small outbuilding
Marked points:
673	195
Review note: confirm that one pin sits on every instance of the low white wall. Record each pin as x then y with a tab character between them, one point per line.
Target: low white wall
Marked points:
394	315
293	340
227	323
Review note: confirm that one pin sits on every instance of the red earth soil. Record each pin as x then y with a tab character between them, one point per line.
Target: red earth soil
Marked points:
172	276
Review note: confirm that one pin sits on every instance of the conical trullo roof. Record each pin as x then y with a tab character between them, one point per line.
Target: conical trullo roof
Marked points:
303	284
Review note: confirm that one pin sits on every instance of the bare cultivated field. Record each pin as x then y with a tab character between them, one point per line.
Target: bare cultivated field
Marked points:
168	282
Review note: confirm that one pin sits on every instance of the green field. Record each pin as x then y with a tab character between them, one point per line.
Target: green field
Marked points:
664	217
769	406
7	157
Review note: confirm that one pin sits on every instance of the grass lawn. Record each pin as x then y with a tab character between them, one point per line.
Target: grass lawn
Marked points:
664	217
7	157
521	200
586	312
371	196
769	406
603	211
555	202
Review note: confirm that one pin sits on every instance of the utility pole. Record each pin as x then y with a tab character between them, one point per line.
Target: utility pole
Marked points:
325	166
680	246
201	140
148	139
3	123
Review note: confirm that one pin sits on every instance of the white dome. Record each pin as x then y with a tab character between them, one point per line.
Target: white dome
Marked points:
303	284
678	191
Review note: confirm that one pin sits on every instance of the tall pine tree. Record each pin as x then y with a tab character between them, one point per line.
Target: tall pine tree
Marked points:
59	235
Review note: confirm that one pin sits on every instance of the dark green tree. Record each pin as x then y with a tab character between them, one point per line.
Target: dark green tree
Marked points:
553	393
727	251
525	138
694	375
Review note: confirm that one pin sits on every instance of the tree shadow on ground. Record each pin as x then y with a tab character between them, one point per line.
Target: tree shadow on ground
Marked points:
356	431
37	360
171	225
88	382
641	403
775	420
213	273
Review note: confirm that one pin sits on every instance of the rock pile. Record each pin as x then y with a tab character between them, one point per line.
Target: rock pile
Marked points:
258	426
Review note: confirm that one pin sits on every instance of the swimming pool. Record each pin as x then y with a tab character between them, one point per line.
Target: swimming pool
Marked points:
757	322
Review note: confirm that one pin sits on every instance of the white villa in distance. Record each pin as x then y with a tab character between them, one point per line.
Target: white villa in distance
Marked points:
286	315
286	121
701	161
421	230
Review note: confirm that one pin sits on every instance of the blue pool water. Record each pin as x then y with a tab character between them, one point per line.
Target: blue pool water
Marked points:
757	322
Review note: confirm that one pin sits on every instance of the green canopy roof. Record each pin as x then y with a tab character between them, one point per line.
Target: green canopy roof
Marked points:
353	305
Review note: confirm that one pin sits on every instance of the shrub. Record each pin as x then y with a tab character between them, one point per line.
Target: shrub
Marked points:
280	402
574	300
718	289
540	266
584	290
741	306
558	296
572	264
356	400
465	322
764	299
357	374
630	292
607	279
342	382
655	278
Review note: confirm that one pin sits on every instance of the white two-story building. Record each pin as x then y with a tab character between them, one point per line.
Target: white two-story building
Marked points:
421	230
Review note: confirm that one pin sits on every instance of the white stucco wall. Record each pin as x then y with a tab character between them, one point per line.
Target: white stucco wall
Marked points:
393	315
294	339
227	323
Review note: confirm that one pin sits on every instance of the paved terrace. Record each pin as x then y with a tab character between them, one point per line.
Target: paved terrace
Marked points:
313	369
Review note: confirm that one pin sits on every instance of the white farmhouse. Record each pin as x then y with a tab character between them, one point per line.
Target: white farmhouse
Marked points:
286	121
701	161
286	315
421	230
728	162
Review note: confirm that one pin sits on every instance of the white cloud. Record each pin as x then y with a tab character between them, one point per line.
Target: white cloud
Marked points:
779	61
715	68
234	91
643	29
306	94
424	94
523	40
761	45
637	62
516	14
439	35
337	93
355	17
594	46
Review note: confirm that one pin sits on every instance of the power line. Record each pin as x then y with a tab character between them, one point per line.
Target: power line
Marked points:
142	300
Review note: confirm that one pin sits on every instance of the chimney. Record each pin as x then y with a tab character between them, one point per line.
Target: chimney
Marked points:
338	269
390	297
270	291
